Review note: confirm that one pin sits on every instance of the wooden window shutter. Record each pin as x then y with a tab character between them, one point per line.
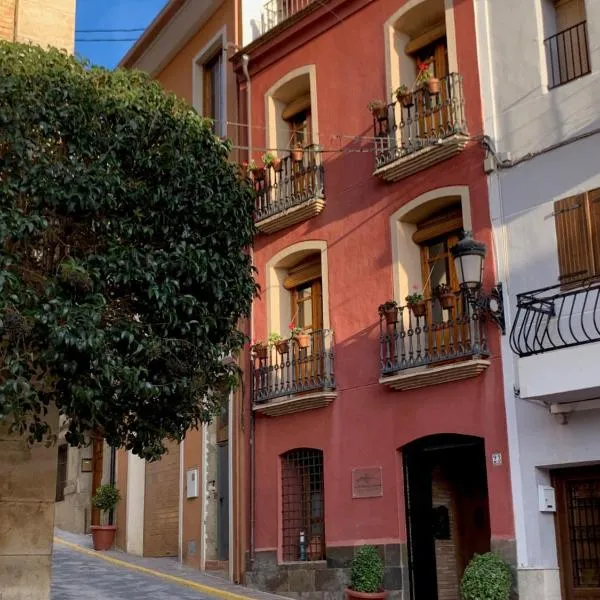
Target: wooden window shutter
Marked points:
594	208
302	273
574	251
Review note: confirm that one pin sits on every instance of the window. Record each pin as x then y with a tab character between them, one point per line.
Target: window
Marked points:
567	51
212	91
577	221
61	472
303	505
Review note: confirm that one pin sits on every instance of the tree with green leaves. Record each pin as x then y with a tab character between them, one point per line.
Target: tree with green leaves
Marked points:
124	269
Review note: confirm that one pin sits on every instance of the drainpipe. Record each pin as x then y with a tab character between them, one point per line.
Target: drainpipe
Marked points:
112	481
245	61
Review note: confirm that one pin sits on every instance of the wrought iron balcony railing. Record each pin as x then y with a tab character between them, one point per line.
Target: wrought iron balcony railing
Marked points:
292	369
438	335
289	184
551	318
567	55
277	11
420	121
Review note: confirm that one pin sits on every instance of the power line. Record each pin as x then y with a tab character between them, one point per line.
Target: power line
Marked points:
109	30
107	40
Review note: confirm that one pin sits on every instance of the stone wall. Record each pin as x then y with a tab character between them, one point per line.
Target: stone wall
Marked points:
27	492
324	579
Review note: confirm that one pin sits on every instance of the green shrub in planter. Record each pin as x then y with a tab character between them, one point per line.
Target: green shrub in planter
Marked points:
367	571
106	498
487	577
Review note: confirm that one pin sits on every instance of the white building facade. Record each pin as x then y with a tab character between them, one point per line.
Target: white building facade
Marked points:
539	62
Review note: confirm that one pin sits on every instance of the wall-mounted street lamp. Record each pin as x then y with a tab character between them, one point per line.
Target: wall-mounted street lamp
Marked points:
469	255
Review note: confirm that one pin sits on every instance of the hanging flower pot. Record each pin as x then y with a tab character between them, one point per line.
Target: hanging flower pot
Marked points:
378	109
259	173
418	308
404	95
303	340
433	85
447	301
389	311
277	164
297	154
261	350
283	346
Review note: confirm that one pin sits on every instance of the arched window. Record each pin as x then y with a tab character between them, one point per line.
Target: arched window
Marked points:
302	495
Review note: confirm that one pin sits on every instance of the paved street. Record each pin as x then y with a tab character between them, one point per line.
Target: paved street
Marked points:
77	576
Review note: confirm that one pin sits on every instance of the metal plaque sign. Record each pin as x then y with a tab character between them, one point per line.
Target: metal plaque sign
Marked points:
367	482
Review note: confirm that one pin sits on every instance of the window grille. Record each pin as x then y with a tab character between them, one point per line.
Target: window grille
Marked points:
303	505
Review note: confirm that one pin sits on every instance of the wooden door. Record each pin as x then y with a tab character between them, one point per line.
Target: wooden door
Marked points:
307	308
97	463
578	531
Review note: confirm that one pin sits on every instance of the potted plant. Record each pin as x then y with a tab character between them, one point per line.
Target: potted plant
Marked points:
105	499
389	310
445	295
486	576
404	96
366	576
297	153
258	173
301	338
378	109
416	303
260	349
270	160
428	81
280	343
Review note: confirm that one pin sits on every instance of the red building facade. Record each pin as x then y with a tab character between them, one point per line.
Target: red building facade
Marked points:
369	431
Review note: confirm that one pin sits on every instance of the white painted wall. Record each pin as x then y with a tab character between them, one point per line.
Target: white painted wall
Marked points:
522	116
527	115
251	20
136	487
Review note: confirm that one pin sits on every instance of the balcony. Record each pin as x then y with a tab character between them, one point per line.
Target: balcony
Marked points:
290	193
438	347
567	55
556	334
293	379
422	131
275	12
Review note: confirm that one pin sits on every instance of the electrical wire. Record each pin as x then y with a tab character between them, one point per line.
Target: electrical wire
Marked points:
107	40
109	30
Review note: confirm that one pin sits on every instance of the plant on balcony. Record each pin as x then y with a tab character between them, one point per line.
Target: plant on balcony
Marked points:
270	160
389	310
404	95
366	576
297	153
258	173
486	576
445	296
378	109
301	338
260	349
282	344
416	303
426	79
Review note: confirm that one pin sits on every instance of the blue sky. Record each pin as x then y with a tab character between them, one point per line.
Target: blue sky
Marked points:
111	14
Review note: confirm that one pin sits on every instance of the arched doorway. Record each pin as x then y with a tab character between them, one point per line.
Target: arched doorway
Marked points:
447	511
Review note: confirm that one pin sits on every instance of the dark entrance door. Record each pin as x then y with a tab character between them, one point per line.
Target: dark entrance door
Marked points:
446	510
97	466
578	531
223	508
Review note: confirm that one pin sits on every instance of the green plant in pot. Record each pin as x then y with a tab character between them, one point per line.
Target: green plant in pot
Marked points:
404	95
378	109
389	310
487	577
445	296
282	344
105	499
366	577
270	160
416	303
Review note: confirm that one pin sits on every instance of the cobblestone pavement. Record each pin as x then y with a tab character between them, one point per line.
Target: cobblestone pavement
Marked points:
77	576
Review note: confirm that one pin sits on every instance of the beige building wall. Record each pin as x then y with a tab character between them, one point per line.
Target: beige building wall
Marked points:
27	492
43	22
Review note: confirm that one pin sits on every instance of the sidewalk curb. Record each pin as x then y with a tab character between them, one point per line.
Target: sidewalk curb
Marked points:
201	587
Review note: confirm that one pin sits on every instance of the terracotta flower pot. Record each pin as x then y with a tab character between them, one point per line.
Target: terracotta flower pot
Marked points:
447	301
297	154
277	164
418	308
103	536
391	315
352	595
258	173
405	99
433	85
303	340
282	346
261	351
380	112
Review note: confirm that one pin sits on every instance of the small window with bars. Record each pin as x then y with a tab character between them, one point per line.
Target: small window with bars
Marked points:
303	505
61	472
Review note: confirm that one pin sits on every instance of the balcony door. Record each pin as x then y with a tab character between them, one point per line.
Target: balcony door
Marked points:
436	236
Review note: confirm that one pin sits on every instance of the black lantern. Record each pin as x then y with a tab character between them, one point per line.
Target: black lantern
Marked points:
469	255
468	259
